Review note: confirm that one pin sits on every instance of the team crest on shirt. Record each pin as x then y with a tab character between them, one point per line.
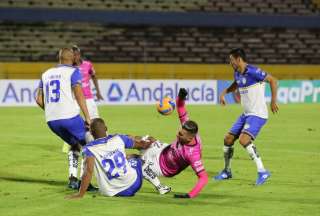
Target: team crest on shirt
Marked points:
246	126
244	80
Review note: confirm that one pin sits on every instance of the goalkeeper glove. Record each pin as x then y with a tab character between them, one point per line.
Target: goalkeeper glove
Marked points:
183	93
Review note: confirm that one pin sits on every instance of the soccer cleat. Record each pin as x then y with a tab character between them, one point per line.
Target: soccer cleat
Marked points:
223	175
163	189
262	177
73	183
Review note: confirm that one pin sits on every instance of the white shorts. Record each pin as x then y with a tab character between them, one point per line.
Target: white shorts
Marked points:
92	108
151	156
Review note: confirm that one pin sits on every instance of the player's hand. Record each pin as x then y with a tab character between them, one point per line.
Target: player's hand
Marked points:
181	196
99	96
183	94
274	107
73	196
87	124
222	100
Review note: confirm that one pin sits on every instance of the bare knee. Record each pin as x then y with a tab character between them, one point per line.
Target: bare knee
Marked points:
245	139
229	139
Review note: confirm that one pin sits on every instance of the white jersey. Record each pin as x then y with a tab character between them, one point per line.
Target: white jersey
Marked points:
251	86
59	100
113	171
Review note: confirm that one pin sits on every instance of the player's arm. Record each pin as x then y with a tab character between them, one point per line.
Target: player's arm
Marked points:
142	142
273	86
86	178
231	88
198	168
181	107
39	98
96	84
81	101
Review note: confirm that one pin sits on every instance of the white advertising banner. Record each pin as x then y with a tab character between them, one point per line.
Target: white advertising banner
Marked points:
118	92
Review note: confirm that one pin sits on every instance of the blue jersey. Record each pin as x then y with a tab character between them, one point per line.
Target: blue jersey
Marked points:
113	172
59	100
251	86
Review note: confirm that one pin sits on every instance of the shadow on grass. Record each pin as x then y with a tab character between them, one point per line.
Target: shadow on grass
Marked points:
33	180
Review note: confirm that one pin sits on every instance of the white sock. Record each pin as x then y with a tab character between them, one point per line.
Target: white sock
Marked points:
251	149
81	168
227	153
150	175
73	157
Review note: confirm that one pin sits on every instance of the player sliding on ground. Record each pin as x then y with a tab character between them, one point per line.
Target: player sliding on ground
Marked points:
116	175
169	160
250	81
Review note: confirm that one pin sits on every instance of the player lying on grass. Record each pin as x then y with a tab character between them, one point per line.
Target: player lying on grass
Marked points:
250	81
169	160
116	175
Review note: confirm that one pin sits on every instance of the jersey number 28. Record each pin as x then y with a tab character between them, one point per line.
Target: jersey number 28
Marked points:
118	161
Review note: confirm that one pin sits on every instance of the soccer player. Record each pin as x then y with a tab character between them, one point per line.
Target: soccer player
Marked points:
250	81
88	72
169	160
116	175
60	96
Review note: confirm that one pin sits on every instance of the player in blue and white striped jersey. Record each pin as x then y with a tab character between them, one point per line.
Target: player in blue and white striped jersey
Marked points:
250	81
116	175
60	95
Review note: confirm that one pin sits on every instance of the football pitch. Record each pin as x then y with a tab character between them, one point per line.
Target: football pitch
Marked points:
33	170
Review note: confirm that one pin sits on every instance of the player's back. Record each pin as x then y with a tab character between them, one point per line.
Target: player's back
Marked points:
59	99
113	172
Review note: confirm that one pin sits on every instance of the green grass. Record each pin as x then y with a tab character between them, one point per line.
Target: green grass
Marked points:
33	170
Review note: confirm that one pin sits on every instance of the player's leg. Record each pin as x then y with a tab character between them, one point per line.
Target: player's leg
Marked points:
151	168
92	108
251	129
59	128
73	162
81	136
228	149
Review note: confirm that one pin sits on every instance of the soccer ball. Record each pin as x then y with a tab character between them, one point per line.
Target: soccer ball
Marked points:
165	106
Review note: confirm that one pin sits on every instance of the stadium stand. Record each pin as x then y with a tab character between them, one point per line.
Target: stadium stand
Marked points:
180	34
287	7
100	43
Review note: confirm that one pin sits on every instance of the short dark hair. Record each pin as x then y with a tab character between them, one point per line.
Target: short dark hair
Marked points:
75	48
191	127
238	52
98	125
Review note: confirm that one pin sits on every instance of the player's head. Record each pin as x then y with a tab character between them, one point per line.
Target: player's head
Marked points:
237	57
66	56
77	53
187	132
98	128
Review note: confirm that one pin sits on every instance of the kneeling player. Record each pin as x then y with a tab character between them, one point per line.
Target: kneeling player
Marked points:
116	175
169	160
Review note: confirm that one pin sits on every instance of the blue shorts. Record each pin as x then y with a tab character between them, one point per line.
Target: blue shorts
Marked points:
72	130
136	164
248	124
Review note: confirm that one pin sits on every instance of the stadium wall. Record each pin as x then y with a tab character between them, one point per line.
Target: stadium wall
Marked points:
19	70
